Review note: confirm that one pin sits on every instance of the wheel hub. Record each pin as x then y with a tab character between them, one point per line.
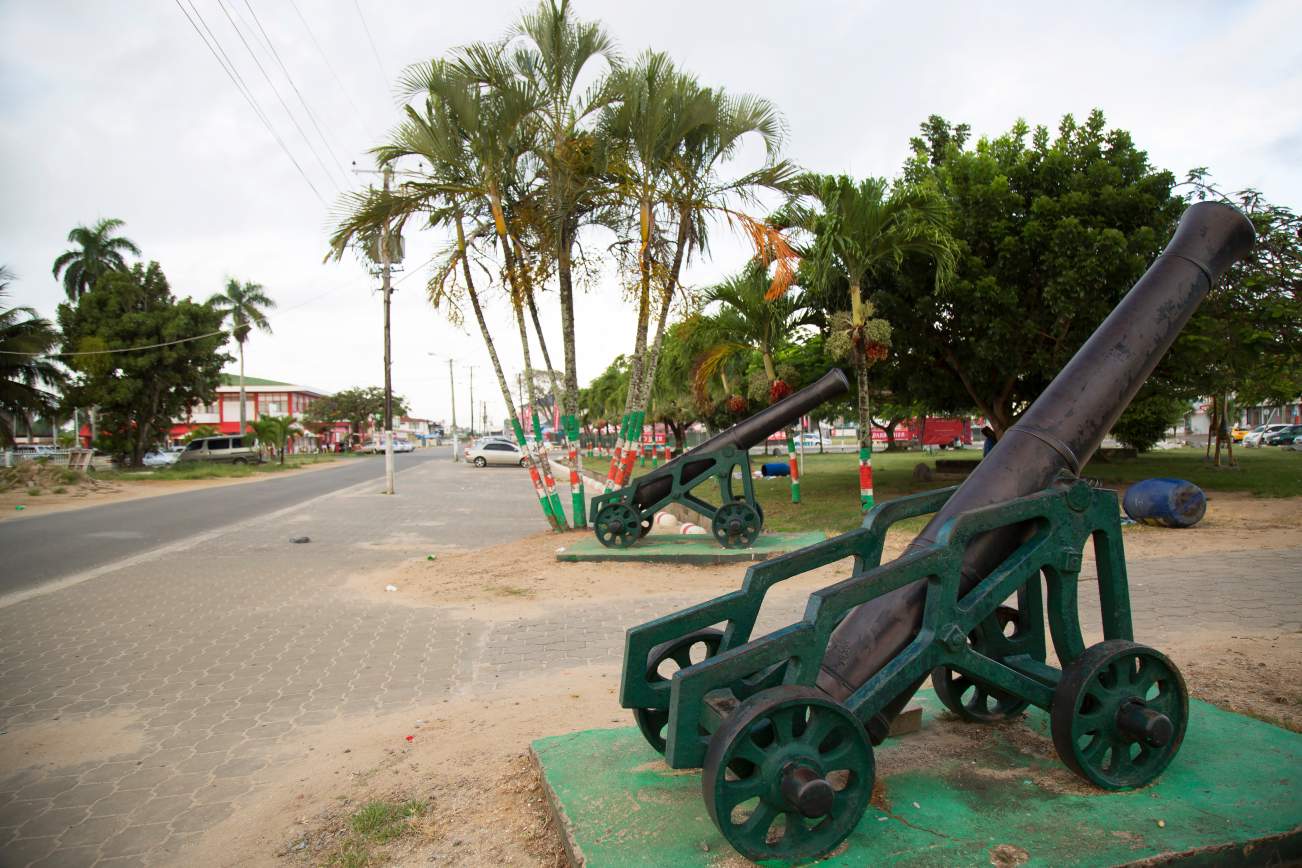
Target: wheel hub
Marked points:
1142	723
807	791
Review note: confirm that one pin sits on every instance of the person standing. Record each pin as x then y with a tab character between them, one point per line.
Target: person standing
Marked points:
991	439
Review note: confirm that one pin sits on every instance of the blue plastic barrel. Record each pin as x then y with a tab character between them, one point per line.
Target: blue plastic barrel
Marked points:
1165	503
775	468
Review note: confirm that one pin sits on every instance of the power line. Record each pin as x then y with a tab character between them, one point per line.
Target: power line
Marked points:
375	53
343	88
120	349
240	33
237	80
307	108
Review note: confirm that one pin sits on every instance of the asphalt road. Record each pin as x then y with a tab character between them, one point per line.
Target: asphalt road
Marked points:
43	548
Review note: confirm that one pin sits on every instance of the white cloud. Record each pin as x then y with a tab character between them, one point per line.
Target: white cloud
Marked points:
117	109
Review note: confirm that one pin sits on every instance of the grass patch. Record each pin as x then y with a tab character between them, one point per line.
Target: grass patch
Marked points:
381	822
59	490
829	486
511	591
33	492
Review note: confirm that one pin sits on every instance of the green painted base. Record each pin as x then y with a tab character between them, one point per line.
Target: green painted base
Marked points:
684	549
960	794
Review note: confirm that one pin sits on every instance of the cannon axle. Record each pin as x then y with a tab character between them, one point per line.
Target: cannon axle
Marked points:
807	791
1145	724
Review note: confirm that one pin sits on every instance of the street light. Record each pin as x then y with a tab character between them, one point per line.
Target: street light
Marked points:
452	388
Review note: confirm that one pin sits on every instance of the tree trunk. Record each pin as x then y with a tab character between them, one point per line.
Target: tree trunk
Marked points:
865	429
666	303
564	278
637	365
497	370
242	420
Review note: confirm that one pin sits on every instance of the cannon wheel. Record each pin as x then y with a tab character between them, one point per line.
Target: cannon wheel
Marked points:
736	524
652	721
617	525
788	775
1119	714
973	699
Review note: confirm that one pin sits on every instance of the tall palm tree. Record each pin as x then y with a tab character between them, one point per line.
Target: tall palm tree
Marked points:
27	374
552	49
245	305
99	250
468	139
860	232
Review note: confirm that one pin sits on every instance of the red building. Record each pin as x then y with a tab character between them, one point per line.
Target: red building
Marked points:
261	398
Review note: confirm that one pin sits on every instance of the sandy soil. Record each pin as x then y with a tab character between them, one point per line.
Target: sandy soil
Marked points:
113	491
467	756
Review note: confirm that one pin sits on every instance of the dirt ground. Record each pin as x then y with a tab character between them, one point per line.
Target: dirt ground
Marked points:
16	503
466	757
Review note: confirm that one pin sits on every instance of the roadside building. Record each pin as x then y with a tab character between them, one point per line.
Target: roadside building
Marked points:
261	398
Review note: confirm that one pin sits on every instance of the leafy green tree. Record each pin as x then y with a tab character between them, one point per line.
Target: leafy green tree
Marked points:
146	366
98	251
198	432
354	406
28	376
1051	231
1148	418
244	305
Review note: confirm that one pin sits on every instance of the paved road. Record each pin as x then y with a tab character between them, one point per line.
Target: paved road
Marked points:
213	665
40	548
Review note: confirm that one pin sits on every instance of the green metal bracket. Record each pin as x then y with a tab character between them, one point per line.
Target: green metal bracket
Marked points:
1060	519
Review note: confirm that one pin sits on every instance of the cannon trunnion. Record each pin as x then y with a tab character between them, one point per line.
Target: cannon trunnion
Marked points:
784	725
622	517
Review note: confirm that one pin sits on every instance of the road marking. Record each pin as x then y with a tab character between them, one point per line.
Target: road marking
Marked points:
154	554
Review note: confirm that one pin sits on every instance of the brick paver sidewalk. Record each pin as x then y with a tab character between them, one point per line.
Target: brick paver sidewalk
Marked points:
222	655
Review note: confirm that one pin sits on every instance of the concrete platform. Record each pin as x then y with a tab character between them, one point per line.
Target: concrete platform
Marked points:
960	794
685	549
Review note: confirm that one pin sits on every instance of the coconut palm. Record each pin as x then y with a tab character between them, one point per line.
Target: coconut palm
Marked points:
273	432
860	232
27	374
245	305
99	250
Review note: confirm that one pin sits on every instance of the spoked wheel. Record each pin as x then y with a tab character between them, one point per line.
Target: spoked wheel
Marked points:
661	664
970	698
1119	714
618	525
788	775
736	525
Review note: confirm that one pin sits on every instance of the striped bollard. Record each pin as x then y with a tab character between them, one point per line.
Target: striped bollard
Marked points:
795	469
866	477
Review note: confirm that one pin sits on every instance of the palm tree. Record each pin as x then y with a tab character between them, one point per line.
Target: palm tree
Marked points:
468	139
26	372
748	321
98	252
860	232
245	305
273	432
551	49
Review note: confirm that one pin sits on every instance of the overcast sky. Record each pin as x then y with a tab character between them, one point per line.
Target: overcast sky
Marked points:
117	109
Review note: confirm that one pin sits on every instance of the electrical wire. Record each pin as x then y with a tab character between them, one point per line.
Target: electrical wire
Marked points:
379	64
343	88
303	102
221	4
119	349
237	80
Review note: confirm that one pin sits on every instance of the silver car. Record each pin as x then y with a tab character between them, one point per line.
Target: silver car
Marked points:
228	450
488	452
1253	438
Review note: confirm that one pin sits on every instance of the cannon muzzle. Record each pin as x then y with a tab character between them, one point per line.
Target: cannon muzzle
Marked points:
747	433
1059	432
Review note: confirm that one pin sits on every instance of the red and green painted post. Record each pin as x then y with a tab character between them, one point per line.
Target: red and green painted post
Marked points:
795	468
549	481
866	477
617	456
578	503
534	476
631	450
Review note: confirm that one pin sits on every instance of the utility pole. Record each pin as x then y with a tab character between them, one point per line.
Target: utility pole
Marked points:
452	390
483	416
388	378
472	401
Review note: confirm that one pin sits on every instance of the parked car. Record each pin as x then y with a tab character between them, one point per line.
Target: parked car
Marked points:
479	443
495	451
228	450
162	457
1253	437
1281	437
402	444
29	451
809	439
1238	432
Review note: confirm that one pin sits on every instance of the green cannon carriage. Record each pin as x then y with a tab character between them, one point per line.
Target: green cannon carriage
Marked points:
622	517
783	726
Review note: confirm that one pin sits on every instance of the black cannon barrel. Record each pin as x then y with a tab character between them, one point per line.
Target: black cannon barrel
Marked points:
1060	431
749	432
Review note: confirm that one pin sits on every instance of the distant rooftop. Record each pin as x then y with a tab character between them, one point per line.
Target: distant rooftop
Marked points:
234	380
